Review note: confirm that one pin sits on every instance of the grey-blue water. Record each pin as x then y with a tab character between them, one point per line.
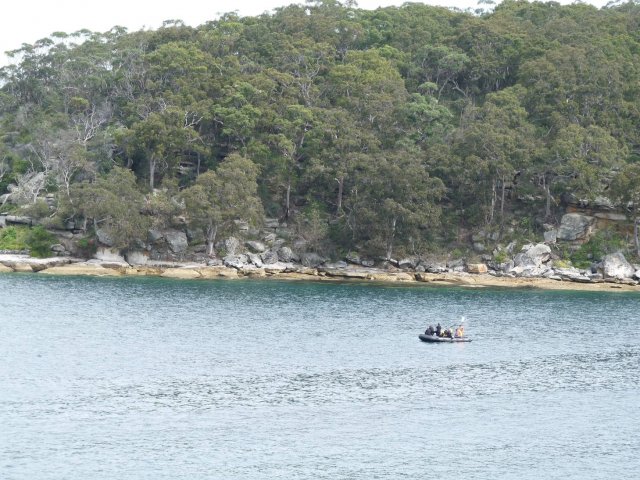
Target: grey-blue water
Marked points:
156	379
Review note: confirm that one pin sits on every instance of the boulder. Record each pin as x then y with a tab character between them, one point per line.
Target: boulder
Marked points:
477	268
5	269
532	255
529	271
235	261
615	266
255	246
22	268
367	262
435	268
285	254
19	219
353	257
136	257
407	263
176	240
231	245
453	264
503	267
270	237
154	235
550	236
603	203
269	257
58	248
3	220
275	268
104	237
255	259
572	275
311	260
108	255
575	226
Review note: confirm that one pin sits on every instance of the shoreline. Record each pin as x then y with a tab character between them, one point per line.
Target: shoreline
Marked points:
65	266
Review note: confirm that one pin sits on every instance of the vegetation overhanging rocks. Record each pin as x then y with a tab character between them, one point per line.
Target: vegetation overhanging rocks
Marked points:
392	136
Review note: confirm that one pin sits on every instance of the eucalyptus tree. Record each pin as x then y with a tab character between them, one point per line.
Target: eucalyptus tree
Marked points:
394	203
219	198
112	202
496	143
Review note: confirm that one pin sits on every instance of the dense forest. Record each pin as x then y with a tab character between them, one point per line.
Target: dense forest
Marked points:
388	132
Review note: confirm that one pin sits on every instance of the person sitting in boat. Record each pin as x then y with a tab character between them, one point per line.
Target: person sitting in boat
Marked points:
447	333
459	332
439	330
430	330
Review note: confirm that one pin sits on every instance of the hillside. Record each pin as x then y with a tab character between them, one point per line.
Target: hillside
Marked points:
406	131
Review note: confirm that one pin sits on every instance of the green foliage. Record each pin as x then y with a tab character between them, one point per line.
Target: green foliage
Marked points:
39	242
36	239
379	119
87	246
602	243
501	256
38	210
112	202
563	263
221	197
13	238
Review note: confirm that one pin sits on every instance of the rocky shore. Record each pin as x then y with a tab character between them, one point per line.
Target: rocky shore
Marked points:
531	268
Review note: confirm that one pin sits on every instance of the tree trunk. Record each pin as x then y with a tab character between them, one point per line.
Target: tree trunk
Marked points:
339	199
502	195
211	234
547	191
152	173
493	201
635	235
390	239
287	206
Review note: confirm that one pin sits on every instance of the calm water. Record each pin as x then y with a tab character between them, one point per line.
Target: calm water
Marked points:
155	379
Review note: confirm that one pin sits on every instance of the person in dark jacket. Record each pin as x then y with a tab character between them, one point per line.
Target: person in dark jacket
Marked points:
430	330
438	330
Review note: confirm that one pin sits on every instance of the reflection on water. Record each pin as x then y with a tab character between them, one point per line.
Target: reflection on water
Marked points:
146	378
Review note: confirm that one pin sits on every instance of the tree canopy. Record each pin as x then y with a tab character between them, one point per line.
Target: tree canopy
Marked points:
396	127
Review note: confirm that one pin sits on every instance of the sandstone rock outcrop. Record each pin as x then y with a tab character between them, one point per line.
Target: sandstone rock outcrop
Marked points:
616	266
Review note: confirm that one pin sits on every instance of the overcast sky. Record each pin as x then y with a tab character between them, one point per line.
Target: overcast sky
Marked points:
25	21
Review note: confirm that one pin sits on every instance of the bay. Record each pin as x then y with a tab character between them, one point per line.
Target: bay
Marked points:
147	378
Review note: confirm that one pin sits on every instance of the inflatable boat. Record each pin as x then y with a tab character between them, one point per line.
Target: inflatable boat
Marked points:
436	339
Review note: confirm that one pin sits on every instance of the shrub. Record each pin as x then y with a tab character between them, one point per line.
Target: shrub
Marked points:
562	263
86	247
39	242
13	238
501	256
602	243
